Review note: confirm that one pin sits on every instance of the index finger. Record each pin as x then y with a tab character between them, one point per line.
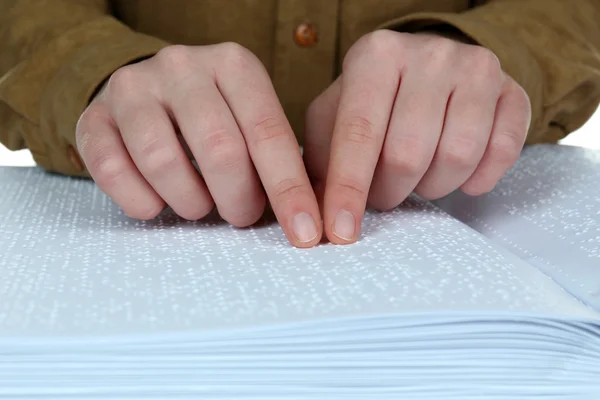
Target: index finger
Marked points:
273	148
369	84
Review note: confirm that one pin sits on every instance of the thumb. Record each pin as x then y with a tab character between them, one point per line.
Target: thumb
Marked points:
320	121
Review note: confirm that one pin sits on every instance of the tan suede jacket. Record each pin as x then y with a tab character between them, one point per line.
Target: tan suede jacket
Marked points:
55	53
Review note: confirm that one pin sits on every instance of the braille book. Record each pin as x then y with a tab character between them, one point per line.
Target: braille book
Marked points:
489	297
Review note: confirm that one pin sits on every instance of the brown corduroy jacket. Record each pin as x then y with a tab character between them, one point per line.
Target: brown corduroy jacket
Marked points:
55	53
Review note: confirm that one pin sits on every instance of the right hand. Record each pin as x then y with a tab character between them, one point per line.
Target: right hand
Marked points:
221	101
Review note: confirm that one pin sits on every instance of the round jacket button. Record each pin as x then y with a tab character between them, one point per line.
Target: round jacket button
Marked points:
306	35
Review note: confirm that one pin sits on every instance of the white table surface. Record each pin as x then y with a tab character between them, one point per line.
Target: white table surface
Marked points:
587	136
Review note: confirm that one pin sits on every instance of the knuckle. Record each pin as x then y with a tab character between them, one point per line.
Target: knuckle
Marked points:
378	44
268	129
461	153
106	169
223	152
173	52
123	81
351	185
290	188
83	142
84	123
90	115
234	49
217	140
224	161
358	130
84	129
406	157
159	159
505	148
439	50
178	58
486	63
236	56
519	119
380	41
519	96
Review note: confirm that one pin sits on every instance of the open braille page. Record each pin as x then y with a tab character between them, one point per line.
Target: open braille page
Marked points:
546	210
74	265
94	305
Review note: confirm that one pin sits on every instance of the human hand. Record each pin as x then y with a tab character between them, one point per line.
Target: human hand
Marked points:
220	101
411	112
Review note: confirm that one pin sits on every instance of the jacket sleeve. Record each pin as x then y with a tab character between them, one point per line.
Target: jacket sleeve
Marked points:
550	47
53	56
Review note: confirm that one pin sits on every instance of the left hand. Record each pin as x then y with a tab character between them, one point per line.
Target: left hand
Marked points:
411	112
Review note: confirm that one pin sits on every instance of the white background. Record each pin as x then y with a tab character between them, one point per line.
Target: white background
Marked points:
587	136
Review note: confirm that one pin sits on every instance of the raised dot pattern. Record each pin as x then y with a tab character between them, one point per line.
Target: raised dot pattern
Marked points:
546	210
73	263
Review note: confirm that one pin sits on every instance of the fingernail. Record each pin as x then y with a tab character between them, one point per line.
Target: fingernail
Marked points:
343	227
304	227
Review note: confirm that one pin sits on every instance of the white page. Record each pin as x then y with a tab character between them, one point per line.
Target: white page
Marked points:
73	264
546	211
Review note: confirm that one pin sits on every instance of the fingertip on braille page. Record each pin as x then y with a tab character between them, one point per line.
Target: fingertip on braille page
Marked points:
345	225
304	228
